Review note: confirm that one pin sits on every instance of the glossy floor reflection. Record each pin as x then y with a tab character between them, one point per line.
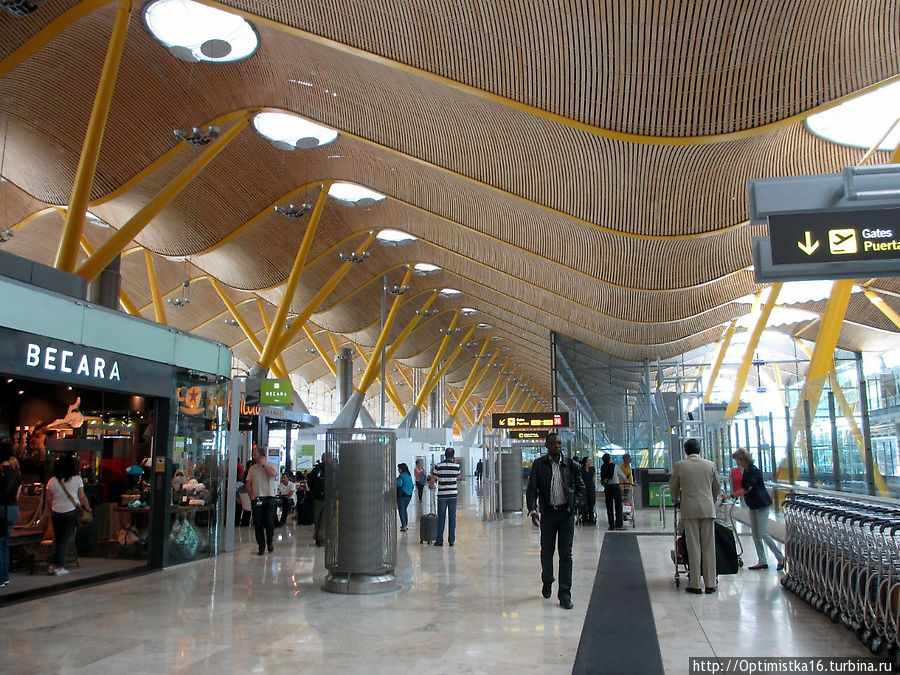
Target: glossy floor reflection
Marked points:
473	608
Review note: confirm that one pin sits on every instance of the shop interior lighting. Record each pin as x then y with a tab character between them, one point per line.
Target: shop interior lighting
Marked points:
289	132
394	237
862	121
355	194
195	32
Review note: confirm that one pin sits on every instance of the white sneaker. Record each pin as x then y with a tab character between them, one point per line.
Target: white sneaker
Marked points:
61	570
51	571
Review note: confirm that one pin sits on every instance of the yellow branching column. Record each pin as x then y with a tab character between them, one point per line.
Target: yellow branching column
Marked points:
67	254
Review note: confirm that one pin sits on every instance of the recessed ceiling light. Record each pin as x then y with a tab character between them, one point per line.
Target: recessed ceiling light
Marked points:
861	121
394	237
196	32
357	194
287	131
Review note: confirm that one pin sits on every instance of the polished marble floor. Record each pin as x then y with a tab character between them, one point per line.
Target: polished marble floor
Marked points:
473	608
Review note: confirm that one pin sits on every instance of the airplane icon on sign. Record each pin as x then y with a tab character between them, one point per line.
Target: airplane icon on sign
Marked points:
838	239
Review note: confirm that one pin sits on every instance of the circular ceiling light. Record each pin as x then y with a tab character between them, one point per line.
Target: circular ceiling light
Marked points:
394	237
287	131
861	121
196	32
356	194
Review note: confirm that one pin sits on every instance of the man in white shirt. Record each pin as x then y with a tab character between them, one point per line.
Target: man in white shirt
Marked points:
261	489
286	497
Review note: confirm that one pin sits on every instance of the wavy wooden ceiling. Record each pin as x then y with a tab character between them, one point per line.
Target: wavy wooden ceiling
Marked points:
576	167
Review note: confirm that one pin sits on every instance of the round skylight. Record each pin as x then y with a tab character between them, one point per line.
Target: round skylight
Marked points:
394	237
195	32
485	326
425	268
861	121
288	131
447	292
780	316
468	311
357	194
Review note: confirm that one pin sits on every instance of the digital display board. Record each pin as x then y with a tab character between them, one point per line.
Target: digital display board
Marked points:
537	420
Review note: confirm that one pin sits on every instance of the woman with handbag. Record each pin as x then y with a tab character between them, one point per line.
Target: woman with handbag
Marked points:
758	501
61	498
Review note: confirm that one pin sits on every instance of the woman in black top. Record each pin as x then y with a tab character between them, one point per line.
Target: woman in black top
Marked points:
10	488
757	499
588	475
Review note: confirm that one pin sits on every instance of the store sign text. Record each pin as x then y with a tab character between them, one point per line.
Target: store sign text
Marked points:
69	362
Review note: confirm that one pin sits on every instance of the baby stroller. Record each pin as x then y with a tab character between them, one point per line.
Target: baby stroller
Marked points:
679	551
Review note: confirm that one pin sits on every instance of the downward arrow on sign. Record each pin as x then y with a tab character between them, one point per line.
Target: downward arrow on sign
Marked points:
810	246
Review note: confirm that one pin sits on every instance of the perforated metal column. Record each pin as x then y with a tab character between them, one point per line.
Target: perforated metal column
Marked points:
511	479
360	503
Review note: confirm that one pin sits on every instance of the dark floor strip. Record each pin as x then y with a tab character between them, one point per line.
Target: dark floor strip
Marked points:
72	584
619	633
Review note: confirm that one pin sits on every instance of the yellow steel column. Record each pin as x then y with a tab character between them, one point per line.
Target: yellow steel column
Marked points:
307	312
372	368
388	385
279	361
465	387
274	336
422	395
159	310
883	306
114	245
395	345
822	359
752	342
495	390
470	386
451	358
67	254
405	378
720	356
321	352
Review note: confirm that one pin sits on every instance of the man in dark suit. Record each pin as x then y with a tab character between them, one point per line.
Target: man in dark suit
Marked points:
556	486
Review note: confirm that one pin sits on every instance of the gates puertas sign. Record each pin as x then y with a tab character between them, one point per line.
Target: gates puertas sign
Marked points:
529	420
835	236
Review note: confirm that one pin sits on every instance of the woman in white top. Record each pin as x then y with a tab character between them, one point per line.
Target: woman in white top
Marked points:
62	505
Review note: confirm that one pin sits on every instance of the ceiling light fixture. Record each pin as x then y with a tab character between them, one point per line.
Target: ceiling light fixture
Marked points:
195	32
293	211
354	258
5	235
198	137
426	314
20	7
231	322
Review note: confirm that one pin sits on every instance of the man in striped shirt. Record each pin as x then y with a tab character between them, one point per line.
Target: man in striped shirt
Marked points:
447	476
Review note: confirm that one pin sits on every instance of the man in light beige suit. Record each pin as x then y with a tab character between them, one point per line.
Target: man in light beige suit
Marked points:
695	486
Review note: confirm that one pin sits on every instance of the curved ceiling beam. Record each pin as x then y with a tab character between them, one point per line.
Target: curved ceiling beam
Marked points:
593	130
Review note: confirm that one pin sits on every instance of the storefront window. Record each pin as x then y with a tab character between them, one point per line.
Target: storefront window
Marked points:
199	442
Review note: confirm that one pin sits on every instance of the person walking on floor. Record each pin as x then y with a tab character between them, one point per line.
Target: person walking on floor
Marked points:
261	490
556	489
758	501
421	477
62	492
446	474
404	494
694	487
10	489
611	478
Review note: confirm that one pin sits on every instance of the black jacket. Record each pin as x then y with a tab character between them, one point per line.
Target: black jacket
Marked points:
538	491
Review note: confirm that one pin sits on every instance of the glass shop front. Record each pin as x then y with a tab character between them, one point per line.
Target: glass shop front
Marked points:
149	443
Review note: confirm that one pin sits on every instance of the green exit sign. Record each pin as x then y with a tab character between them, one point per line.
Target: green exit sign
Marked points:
275	392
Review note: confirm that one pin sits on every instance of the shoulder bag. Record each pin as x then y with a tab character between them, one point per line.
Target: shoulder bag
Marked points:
83	517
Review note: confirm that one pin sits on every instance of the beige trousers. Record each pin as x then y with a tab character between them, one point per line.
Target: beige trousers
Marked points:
699	535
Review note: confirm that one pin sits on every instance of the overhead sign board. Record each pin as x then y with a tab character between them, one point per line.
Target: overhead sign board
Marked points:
275	392
833	226
529	420
526	435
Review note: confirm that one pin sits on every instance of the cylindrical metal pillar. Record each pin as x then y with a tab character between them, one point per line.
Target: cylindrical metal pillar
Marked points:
344	375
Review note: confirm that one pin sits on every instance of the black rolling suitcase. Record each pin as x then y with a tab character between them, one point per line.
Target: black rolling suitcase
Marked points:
305	510
428	526
727	559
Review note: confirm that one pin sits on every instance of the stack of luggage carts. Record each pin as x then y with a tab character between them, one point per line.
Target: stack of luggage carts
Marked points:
843	558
